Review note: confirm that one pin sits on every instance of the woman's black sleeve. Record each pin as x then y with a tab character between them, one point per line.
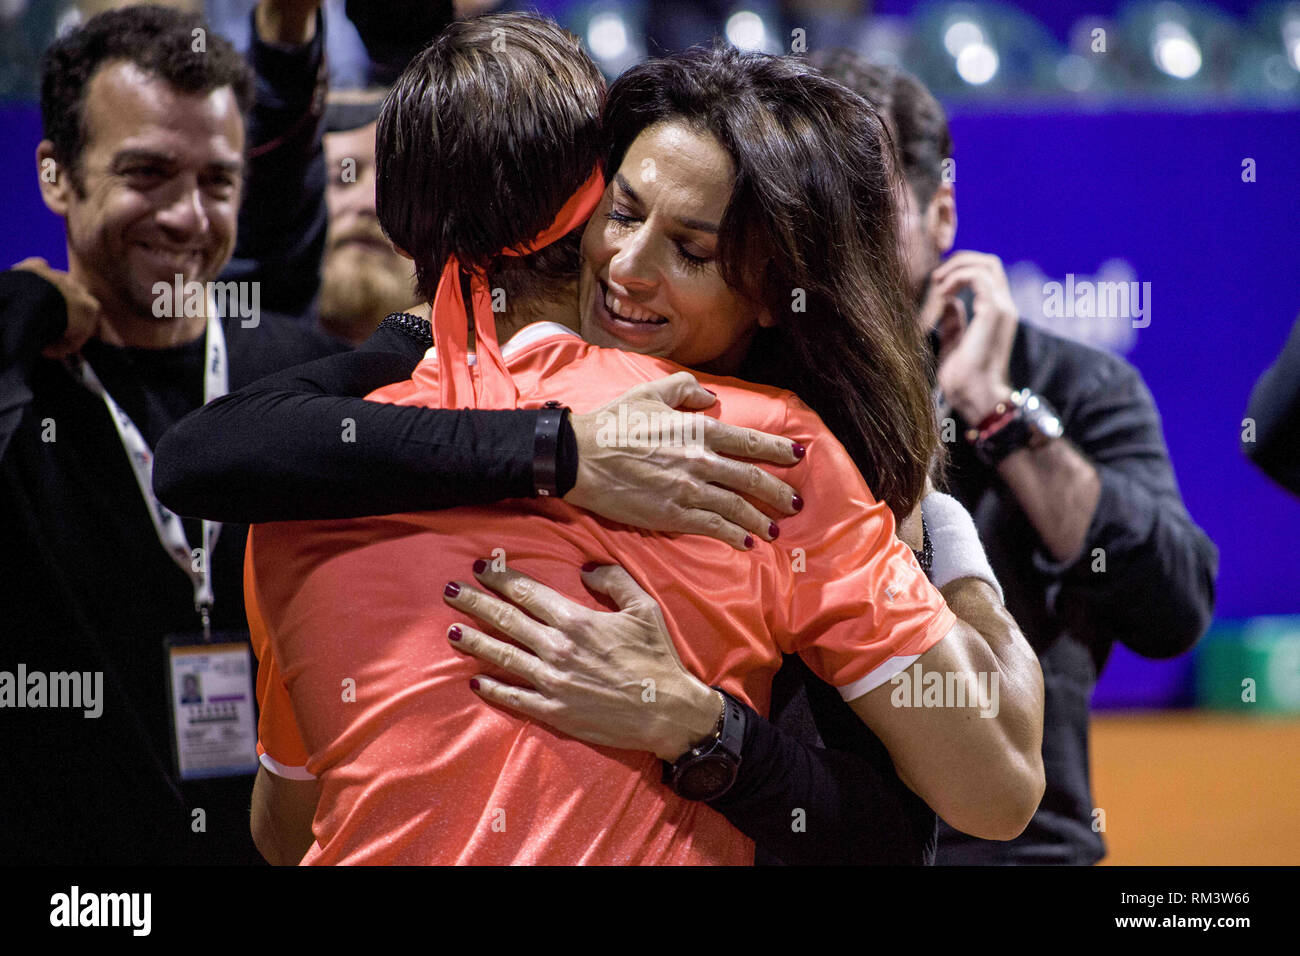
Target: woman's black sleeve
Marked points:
806	805
304	444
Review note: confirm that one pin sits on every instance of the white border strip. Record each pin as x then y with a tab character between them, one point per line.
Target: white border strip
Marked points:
534	333
864	685
280	770
525	337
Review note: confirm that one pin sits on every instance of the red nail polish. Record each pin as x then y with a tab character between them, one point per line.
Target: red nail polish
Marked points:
452	589
749	542
589	567
480	566
454	632
710	391
473	684
796	503
773	531
799	450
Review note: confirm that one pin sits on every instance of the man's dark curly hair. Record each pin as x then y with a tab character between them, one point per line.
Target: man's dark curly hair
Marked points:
159	40
916	119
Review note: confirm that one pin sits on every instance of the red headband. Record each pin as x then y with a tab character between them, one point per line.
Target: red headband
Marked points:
488	384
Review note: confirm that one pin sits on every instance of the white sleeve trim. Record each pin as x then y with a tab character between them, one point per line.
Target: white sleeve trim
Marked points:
864	685
280	770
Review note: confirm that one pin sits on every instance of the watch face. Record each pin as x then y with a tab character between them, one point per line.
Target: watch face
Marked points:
706	778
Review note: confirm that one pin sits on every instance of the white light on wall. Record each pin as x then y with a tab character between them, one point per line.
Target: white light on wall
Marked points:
977	64
1175	51
68	21
607	36
746	31
960	35
1279	73
1291	39
1075	73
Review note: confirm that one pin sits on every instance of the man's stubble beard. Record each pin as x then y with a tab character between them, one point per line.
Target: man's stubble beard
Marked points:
124	294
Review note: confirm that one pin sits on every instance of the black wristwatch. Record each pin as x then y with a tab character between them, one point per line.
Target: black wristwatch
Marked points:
707	771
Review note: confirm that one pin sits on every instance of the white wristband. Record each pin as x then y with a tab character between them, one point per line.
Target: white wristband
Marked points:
957	551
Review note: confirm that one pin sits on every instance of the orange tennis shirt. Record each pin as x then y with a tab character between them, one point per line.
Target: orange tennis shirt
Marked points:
360	688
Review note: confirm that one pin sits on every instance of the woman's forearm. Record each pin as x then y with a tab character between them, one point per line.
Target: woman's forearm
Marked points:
589	678
304	444
275	454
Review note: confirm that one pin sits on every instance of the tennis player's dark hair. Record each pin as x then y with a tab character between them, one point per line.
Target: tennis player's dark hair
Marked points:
917	121
480	143
160	41
810	231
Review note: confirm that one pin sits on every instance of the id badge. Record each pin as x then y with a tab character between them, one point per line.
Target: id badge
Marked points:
214	721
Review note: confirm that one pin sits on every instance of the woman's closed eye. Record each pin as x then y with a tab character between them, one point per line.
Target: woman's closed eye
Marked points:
688	259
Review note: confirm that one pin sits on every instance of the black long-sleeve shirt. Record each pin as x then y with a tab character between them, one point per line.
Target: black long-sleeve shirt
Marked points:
273	452
1144	577
85	586
1275	409
258	455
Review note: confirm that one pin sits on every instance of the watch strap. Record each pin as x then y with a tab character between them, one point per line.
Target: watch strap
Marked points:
546	444
725	745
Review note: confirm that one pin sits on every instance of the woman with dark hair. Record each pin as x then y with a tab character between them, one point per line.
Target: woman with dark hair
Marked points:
806	242
687	191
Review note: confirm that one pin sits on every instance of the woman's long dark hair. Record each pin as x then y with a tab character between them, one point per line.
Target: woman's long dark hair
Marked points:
810	232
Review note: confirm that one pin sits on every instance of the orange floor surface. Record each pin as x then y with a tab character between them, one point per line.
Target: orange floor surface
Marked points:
1191	788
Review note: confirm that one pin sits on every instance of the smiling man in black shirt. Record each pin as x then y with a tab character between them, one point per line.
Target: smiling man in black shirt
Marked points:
144	159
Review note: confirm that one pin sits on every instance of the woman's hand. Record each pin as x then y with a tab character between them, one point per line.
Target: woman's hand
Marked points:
669	481
608	678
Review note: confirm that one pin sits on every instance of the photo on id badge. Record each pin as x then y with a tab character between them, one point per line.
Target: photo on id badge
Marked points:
213	705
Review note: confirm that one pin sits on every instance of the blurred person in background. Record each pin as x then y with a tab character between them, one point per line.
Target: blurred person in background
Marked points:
363	278
1275	411
1060	458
